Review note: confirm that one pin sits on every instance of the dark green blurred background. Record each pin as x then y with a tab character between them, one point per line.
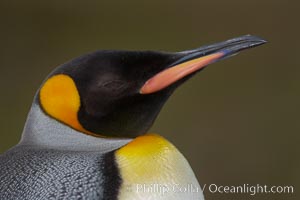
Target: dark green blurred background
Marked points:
236	122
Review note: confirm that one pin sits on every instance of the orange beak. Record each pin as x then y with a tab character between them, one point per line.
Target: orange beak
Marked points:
212	53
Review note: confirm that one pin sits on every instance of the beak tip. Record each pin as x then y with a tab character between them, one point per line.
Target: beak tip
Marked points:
255	39
242	43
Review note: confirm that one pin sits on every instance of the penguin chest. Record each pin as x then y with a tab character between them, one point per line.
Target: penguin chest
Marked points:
152	168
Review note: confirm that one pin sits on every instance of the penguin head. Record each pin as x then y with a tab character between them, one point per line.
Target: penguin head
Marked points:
120	93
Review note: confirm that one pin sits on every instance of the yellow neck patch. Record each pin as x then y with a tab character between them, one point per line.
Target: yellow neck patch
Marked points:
148	145
141	159
151	159
60	99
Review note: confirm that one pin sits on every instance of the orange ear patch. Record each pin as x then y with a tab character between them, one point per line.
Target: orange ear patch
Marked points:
60	99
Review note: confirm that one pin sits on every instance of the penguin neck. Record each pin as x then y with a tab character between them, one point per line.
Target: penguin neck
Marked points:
46	132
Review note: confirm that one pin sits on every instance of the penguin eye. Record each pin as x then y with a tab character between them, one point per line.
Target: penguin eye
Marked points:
114	85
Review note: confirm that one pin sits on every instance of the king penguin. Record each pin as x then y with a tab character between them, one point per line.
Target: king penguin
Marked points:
86	133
